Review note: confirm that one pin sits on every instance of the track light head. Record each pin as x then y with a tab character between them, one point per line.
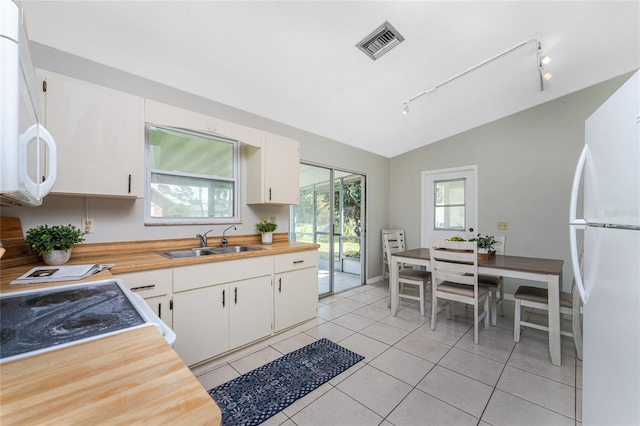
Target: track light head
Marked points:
546	75
545	60
405	110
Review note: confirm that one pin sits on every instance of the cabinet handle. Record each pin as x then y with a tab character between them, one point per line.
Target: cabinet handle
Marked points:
159	310
171	304
279	285
223	298
295	262
235	297
143	287
269	194
129	184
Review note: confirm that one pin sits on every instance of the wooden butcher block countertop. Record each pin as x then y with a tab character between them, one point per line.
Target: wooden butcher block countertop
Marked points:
133	377
132	256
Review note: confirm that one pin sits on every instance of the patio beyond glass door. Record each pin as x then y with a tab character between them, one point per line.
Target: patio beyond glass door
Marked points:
331	213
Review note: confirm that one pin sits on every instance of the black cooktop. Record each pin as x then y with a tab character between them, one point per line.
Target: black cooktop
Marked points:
42	319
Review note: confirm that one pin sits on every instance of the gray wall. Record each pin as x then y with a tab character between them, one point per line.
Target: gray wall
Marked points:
123	220
525	165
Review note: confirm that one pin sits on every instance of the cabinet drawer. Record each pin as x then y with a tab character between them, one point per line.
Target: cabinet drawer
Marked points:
207	274
148	283
297	260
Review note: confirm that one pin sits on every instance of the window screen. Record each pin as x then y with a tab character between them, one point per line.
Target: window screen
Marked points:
449	208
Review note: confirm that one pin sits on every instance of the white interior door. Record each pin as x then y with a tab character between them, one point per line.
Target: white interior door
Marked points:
449	206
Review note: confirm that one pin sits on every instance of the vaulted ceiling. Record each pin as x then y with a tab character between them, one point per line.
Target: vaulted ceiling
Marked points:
295	62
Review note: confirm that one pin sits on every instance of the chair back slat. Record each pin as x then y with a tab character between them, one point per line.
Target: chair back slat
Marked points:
395	240
392	243
450	276
454	261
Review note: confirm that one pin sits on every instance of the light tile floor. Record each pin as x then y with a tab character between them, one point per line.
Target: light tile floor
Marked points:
414	376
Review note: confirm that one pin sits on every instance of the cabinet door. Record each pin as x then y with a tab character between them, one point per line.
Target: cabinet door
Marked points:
273	171
295	297
155	287
161	306
251	310
201	323
282	170
99	134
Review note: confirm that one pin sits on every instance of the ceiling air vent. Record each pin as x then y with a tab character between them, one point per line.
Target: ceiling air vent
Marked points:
380	41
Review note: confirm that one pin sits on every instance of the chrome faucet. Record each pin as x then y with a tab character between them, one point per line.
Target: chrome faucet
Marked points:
203	238
224	240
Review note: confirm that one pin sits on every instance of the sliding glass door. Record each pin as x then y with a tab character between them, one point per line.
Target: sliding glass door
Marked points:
331	213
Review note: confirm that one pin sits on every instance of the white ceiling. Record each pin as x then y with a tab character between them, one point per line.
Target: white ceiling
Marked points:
295	62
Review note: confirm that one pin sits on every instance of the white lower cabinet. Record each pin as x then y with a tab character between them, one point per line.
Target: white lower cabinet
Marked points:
295	288
220	306
155	288
217	307
201	323
251	310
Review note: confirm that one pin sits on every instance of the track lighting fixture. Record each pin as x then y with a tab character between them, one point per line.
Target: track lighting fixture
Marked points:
541	61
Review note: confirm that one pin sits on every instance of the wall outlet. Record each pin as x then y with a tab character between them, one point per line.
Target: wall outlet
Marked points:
503	226
87	225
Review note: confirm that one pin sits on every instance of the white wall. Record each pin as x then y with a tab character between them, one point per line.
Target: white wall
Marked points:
122	220
525	164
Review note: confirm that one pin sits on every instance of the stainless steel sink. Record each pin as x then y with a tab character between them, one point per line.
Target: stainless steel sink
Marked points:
207	251
235	249
185	253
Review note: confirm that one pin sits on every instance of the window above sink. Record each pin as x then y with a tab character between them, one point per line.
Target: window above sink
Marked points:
192	177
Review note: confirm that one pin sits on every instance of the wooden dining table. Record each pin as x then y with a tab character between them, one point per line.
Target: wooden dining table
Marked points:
546	271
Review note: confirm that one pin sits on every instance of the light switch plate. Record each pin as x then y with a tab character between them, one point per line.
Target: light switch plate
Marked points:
503	226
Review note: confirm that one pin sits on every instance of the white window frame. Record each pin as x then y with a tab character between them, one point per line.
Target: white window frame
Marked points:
193	220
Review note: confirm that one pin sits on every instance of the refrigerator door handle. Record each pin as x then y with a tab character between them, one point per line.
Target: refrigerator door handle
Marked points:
576	224
577	176
575	262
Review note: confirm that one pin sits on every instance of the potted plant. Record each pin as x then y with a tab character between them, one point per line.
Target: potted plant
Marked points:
266	227
485	244
54	243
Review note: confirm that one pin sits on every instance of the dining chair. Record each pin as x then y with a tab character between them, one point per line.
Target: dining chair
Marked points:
454	277
494	284
393	243
385	260
537	298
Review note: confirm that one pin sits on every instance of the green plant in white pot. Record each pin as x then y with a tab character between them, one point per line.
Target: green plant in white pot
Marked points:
485	244
54	243
266	227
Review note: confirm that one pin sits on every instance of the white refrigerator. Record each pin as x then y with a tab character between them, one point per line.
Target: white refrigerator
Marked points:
609	283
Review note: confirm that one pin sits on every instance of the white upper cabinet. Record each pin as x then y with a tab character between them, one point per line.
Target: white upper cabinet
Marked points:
273	171
99	134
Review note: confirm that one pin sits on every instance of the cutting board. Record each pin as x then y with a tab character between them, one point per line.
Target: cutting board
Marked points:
17	252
